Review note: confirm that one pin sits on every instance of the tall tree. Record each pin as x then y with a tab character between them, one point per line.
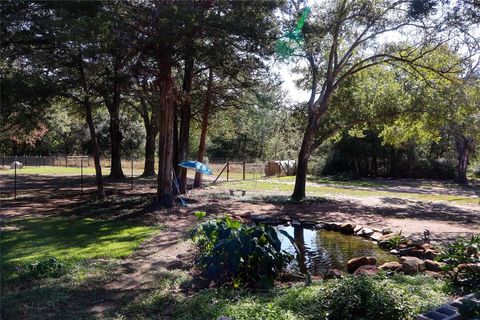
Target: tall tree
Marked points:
345	37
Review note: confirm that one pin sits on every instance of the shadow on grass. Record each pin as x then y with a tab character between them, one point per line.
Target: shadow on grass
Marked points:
69	238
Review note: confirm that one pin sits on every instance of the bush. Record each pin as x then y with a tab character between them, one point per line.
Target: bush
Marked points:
46	268
466	252
242	255
366	298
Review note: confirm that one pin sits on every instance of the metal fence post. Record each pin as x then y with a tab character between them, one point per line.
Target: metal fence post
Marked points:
25	162
243	167
44	161
81	177
3	161
15	183
66	161
132	173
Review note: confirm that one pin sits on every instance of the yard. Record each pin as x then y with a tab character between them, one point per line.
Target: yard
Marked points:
124	259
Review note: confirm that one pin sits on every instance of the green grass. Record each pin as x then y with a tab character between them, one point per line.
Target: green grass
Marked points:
296	302
279	186
69	239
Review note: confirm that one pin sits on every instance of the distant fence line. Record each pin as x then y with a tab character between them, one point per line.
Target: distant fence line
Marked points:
76	181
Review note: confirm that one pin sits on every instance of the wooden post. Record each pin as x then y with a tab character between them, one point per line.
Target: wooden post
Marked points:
243	164
228	169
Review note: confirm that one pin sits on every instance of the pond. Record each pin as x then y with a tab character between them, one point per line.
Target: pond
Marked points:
321	250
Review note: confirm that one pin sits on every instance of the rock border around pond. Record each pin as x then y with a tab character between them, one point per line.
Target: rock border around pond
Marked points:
416	255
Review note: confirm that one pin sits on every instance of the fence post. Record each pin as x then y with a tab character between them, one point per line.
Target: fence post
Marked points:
3	161
44	161
132	173
15	183
228	168
25	162
243	167
81	177
66	161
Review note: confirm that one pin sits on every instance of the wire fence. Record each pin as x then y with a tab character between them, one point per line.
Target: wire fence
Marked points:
22	176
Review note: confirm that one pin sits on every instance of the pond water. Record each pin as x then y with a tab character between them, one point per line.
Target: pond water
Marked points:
321	250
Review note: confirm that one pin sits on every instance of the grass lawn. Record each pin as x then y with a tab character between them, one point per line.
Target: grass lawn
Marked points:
283	185
69	239
88	249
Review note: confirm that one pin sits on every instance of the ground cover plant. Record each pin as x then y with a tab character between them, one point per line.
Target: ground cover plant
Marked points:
381	297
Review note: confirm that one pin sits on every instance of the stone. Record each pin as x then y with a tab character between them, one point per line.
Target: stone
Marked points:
319	226
384	244
412	265
366	270
376	236
295	222
431	265
391	266
366	232
433	274
430	254
357	229
19	165
469	267
394	251
415	243
329	226
386	231
412	252
333	273
355	263
347	228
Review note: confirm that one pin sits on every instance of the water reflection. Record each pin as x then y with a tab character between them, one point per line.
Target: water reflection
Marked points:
321	249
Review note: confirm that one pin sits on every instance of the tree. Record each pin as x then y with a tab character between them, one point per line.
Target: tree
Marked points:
347	37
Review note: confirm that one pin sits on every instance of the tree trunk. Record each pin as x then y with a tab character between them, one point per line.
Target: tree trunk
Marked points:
185	117
203	135
302	164
151	134
463	146
165	144
95	150
116	137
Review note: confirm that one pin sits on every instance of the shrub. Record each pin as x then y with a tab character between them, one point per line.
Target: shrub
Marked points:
463	251
242	255
470	309
49	267
366	298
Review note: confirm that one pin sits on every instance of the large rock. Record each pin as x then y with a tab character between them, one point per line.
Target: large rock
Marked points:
384	244
347	228
430	254
376	236
333	273
412	251
412	265
391	266
366	232
332	226
357	229
386	231
431	265
355	263
366	270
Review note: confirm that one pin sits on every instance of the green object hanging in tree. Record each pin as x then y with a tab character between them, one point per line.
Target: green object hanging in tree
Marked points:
292	40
